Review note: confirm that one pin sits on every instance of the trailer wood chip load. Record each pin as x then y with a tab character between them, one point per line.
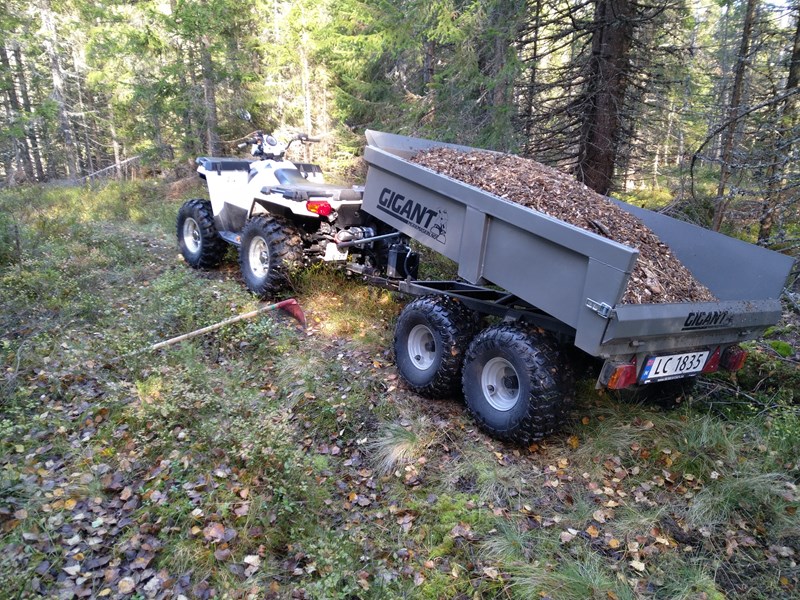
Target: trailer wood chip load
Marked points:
552	282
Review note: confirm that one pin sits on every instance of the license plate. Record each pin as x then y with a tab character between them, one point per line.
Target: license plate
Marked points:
332	252
673	366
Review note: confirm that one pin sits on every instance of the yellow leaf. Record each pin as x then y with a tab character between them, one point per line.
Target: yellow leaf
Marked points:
573	442
585	420
613	543
638	565
126	585
599	516
592	531
70	504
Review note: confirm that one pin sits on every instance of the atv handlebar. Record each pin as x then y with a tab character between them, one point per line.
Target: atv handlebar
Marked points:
259	140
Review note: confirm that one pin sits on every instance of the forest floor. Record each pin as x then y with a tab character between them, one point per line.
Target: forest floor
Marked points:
268	461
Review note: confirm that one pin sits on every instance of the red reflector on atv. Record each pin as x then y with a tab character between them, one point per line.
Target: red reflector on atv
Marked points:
733	358
320	207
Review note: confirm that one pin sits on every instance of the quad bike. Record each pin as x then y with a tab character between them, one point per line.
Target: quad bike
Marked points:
282	216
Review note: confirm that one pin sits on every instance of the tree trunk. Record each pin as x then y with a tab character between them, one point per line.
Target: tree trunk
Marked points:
22	82
533	61
305	83
87	144
209	96
50	43
8	159
605	95
21	148
782	144
729	134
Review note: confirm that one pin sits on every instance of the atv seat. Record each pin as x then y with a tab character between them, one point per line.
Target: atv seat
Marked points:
224	164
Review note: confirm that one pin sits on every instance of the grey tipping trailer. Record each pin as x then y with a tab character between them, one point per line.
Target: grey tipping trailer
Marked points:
568	279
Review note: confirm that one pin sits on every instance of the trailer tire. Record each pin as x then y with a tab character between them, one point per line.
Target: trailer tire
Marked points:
430	339
517	385
270	251
200	244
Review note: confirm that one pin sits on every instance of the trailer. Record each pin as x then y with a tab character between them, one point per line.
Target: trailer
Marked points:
552	285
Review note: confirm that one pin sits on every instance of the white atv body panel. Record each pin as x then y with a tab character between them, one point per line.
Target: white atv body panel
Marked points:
241	188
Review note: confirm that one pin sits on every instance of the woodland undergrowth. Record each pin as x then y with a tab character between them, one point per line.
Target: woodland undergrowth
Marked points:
264	460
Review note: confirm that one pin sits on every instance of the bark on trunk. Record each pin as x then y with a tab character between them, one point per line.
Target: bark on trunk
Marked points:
603	100
533	62
786	121
729	134
21	147
33	136
210	96
305	82
8	160
59	96
115	146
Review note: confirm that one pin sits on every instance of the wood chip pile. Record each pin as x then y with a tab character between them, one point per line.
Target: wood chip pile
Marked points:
658	276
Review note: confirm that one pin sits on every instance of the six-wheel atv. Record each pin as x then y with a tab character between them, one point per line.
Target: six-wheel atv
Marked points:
282	216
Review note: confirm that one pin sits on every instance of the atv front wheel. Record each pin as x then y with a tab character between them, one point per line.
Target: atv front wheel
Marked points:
270	251
200	244
516	384
430	338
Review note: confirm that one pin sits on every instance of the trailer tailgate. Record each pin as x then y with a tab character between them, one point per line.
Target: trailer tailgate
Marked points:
668	327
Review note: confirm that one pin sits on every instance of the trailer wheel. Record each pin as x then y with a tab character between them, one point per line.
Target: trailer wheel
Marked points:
200	244
430	338
270	251
516	384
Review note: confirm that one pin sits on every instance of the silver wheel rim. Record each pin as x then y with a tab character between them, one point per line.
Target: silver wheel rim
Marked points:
191	235
500	384
421	347
258	255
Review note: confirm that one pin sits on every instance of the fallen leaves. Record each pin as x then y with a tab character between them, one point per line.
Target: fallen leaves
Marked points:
126	585
215	532
638	565
253	562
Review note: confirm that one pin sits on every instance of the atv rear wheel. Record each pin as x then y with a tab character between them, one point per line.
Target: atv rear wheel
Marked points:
270	251
516	383
431	336
200	244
